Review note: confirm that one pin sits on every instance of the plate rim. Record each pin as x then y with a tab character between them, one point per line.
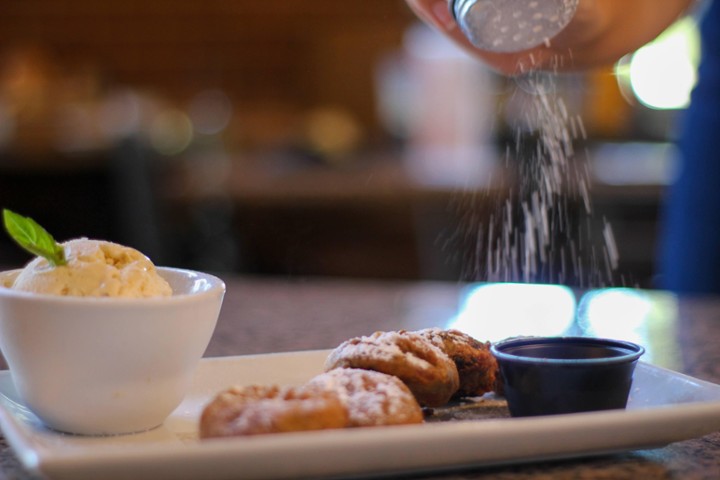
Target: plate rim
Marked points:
42	459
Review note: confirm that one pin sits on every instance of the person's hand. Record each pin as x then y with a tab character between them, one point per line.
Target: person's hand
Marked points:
600	33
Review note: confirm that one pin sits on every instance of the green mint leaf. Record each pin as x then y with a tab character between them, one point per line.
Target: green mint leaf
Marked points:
32	237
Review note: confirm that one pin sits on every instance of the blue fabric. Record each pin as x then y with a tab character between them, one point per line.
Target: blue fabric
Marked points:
690	244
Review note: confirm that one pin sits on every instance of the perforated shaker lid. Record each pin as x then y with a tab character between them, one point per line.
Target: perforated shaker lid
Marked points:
511	25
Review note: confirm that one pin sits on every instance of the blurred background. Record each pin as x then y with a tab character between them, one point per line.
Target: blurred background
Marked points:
295	138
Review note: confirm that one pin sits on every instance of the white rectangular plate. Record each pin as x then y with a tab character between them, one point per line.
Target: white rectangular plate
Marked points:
664	407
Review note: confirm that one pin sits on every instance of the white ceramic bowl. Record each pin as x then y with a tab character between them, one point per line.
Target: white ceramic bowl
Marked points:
103	366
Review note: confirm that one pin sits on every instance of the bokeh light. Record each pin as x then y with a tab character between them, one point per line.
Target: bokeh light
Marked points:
500	310
662	74
171	132
210	112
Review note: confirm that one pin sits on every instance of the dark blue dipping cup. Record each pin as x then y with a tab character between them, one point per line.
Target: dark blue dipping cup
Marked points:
554	375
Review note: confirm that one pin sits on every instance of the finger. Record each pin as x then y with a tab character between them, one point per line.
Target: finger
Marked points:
435	13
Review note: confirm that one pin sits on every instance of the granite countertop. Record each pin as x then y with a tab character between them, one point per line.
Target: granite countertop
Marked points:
280	315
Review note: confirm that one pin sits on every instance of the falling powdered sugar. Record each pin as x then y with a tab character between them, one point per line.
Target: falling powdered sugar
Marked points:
544	230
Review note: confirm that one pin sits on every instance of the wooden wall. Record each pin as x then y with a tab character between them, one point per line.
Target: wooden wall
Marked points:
288	53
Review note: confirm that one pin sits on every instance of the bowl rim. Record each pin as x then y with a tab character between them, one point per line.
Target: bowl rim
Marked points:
633	350
217	287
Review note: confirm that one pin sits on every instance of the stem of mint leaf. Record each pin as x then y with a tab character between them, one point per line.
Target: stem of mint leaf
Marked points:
32	237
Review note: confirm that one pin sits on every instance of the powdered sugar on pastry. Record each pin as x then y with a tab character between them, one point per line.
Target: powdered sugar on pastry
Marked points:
258	409
371	398
476	366
429	373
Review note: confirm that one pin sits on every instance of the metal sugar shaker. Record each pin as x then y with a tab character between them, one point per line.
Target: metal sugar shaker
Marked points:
511	25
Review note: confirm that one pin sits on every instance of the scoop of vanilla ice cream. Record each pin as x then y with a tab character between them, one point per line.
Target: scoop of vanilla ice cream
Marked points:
95	268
